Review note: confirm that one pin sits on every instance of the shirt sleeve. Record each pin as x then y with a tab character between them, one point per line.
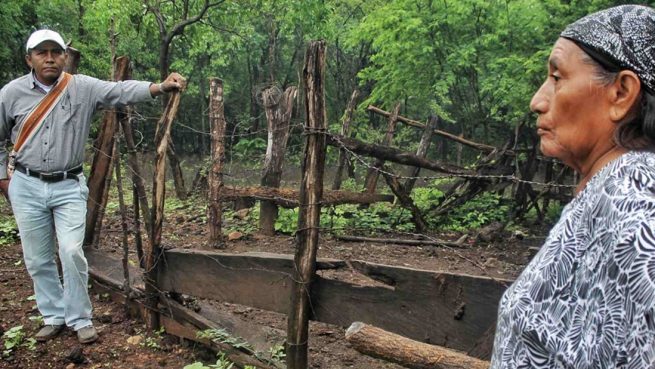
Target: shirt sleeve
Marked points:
116	94
5	133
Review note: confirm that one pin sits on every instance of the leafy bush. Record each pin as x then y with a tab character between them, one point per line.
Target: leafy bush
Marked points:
476	213
8	230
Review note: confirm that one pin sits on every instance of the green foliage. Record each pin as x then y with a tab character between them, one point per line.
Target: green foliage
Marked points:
287	220
223	336
221	363
153	341
15	337
249	148
8	230
476	213
277	352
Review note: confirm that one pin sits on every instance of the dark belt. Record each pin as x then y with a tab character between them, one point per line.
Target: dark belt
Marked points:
52	176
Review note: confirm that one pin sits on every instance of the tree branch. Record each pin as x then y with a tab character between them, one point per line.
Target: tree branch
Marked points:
179	28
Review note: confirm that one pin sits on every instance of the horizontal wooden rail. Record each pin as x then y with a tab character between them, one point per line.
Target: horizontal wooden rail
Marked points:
288	198
441	308
413	123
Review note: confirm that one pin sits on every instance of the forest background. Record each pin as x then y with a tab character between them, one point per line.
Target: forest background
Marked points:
475	63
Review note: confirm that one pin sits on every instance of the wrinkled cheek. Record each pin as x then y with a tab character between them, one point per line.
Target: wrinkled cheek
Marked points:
551	147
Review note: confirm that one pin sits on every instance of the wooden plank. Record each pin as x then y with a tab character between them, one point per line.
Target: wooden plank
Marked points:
452	310
182	322
447	309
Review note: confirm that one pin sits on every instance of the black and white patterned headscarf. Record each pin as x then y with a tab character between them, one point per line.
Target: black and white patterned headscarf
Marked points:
621	37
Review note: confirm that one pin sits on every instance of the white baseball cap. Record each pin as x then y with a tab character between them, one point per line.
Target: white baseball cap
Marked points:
44	35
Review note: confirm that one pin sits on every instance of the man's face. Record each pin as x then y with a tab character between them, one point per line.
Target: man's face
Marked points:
48	60
573	120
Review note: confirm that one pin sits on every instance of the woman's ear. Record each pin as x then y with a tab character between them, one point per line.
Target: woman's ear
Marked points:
624	94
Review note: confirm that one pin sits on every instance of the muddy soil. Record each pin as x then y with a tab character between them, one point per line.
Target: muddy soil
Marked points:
124	344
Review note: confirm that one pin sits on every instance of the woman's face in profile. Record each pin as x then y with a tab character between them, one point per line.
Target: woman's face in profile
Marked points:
572	106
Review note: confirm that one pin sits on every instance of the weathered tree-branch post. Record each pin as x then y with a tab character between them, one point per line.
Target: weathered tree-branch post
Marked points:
72	61
135	169
421	152
311	191
345	131
123	209
373	172
215	178
154	251
176	168
100	177
404	198
279	108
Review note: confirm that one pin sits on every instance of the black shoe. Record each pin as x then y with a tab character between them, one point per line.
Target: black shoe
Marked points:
48	332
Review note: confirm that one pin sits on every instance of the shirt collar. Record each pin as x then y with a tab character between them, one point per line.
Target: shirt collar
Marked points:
34	83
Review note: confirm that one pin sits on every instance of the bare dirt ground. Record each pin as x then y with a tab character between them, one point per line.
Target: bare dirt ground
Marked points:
123	343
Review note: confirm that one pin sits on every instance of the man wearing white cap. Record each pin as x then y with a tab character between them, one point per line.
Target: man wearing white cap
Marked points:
47	115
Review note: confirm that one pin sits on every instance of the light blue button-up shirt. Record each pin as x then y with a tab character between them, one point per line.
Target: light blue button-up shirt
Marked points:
58	144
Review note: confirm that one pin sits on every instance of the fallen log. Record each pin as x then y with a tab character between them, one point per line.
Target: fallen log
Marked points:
288	198
379	343
400	241
392	154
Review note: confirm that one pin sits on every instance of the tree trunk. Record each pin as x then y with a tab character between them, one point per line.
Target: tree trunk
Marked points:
279	108
374	171
215	179
311	192
154	252
379	343
345	132
421	152
100	176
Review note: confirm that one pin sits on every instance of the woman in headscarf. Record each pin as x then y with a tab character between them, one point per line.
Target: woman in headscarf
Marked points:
587	299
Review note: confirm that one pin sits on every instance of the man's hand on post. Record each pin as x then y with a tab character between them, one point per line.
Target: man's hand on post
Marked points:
174	82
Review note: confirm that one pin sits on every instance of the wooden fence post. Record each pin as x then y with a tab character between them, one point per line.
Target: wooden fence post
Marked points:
72	61
135	169
373	173
311	191
279	108
345	132
215	178
100	177
154	252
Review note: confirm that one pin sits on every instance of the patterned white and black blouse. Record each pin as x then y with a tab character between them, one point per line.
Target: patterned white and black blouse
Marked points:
587	299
